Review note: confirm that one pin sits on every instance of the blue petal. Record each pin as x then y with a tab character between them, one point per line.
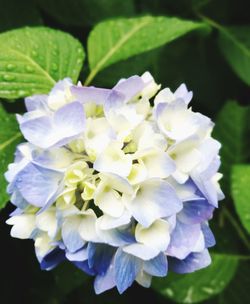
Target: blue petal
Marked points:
70	234
155	199
99	257
47	131
208	235
18	200
36	103
90	94
157	267
106	281
78	256
204	182
127	268
130	87
196	211
191	263
183	239
84	266
38	185
52	259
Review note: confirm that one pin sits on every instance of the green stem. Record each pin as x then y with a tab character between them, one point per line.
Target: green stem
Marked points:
237	227
235	256
210	21
225	32
90	77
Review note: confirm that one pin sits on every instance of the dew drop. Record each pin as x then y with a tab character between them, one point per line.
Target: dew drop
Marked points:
10	67
8	77
169	292
34	53
247	216
208	290
54	67
29	68
79	61
79	50
22	93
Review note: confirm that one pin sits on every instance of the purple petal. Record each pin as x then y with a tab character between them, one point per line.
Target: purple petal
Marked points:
183	93
91	94
208	235
191	263
195	211
37	103
130	87
183	240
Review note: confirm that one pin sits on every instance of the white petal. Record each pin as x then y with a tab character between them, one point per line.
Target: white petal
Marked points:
138	173
106	222
141	251
117	182
108	200
87	228
23	225
144	279
42	245
151	88
98	135
155	236
47	222
114	160
157	163
164	96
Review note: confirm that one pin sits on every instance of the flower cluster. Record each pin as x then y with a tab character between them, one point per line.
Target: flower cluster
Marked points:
122	189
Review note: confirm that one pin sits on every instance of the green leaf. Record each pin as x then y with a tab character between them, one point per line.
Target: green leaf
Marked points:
9	138
231	130
235	45
201	285
81	12
237	291
241	193
33	59
118	39
135	65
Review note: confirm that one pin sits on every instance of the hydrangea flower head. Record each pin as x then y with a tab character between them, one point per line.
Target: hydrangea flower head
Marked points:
122	189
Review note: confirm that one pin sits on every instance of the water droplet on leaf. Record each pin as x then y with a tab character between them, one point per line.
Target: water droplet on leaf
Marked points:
8	77
54	67
22	93
29	68
10	67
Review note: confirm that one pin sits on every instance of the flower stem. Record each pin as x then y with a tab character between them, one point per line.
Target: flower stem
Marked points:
237	227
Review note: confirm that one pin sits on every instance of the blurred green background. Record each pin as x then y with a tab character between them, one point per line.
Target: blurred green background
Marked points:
215	65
